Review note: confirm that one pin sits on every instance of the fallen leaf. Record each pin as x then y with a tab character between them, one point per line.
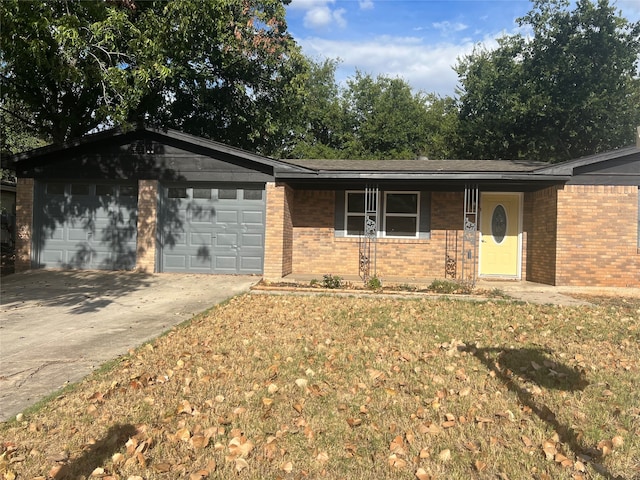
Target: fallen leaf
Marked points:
480	465
617	441
241	464
549	449
322	457
421	474
287	467
354	422
445	455
162	467
396	461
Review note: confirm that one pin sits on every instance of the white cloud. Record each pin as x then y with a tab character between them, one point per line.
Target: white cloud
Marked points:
366	4
447	27
424	67
319	14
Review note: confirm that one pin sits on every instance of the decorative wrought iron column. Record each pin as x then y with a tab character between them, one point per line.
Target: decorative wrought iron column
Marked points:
451	254
368	241
470	235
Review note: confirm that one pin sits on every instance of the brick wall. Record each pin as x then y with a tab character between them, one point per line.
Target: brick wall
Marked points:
540	224
597	240
317	251
147	225
279	232
24	223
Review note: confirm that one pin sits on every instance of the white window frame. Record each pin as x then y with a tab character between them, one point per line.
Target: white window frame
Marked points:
352	214
382	213
416	215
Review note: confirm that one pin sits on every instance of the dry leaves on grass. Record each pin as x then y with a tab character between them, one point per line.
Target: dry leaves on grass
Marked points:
284	387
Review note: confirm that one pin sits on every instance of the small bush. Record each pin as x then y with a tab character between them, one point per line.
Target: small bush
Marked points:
314	282
374	283
331	281
405	287
447	286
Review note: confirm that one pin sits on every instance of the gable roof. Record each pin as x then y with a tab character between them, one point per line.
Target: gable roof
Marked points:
121	135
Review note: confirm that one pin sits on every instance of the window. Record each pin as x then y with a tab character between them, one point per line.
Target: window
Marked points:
401	214
55	188
177	192
227	194
354	215
80	189
251	194
202	193
105	190
128	191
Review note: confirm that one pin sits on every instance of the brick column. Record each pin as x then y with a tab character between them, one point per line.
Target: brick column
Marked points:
147	223
278	253
24	223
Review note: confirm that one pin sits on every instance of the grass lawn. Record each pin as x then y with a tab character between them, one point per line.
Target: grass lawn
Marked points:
331	387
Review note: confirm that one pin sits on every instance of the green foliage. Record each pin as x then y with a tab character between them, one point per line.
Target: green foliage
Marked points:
447	286
331	281
224	70
370	118
373	283
569	91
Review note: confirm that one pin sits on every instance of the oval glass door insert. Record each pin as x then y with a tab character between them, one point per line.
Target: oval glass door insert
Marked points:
499	224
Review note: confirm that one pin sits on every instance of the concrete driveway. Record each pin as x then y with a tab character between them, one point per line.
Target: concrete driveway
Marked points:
56	327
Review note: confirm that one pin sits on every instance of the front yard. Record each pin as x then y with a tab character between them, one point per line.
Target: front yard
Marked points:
334	387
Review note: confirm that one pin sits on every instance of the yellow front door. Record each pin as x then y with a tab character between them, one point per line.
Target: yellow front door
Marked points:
500	234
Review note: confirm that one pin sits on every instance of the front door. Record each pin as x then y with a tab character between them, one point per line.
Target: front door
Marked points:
500	226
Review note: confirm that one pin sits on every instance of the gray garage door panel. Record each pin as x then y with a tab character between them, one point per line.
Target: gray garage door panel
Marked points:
85	225
212	229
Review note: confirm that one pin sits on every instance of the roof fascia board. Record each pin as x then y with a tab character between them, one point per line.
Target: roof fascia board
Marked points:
566	168
473	176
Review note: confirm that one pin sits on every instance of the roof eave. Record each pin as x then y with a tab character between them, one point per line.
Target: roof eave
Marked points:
423	176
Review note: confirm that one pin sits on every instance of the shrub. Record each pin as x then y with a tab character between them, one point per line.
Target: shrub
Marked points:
374	283
331	281
447	286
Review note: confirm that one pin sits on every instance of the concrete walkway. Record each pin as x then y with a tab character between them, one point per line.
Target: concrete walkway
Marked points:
56	327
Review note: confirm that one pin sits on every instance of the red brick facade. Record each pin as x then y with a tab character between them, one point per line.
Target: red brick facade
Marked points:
597	236
540	225
279	231
572	235
147	225
564	239
317	250
24	223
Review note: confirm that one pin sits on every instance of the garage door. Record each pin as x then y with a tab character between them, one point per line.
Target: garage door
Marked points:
85	225
212	228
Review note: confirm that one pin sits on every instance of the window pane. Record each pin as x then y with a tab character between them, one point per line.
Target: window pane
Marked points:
55	188
355	202
355	225
80	189
252	194
402	203
105	190
202	193
128	191
177	192
401	227
227	193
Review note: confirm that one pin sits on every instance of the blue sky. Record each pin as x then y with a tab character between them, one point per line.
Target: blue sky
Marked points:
418	40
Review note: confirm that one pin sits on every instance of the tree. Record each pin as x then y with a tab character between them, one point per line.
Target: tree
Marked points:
568	91
222	70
